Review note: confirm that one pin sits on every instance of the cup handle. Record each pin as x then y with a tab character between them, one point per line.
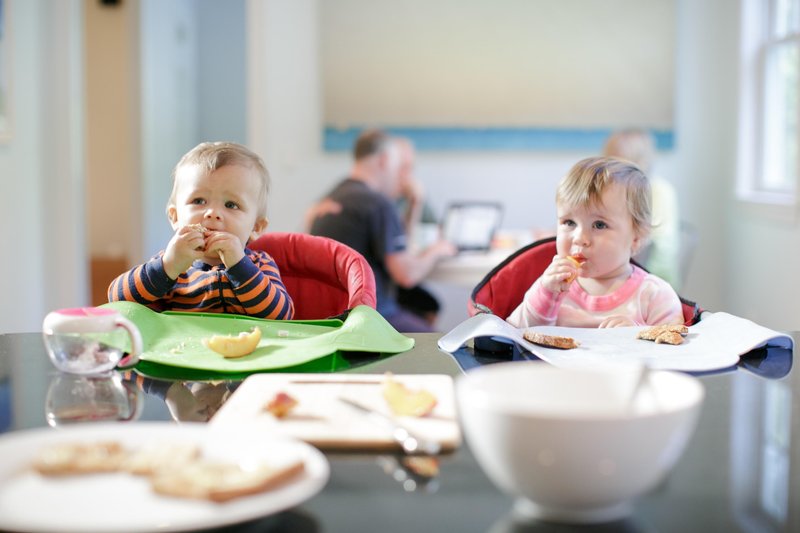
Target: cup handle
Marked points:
136	343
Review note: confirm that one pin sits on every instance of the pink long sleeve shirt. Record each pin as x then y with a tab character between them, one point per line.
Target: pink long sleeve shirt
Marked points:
644	298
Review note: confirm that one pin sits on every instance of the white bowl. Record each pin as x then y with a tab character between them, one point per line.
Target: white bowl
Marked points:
570	445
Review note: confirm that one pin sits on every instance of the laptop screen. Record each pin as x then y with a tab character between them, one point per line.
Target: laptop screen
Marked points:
472	225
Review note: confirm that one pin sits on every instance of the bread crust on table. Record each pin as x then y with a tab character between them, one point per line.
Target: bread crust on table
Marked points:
664	334
551	341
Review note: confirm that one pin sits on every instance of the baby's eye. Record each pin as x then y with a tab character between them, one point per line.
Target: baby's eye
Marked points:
599	224
198	201
568	222
231	205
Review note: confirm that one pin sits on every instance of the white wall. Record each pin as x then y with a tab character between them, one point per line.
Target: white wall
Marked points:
529	63
706	134
748	254
41	166
169	112
284	111
221	73
192	89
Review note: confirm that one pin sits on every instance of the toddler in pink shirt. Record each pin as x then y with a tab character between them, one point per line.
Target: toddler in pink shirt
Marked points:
603	207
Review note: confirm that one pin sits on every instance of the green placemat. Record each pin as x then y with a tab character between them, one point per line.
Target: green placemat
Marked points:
174	339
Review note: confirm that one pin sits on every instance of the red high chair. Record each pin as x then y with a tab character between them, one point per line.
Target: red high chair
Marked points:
325	278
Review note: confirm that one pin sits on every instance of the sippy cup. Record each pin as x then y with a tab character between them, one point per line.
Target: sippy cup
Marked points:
90	340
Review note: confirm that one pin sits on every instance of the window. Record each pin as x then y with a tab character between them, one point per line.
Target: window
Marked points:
770	126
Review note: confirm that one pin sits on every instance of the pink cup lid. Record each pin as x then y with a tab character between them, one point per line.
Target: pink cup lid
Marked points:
85	311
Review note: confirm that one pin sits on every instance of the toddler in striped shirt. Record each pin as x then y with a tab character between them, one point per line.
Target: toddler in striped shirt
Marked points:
218	204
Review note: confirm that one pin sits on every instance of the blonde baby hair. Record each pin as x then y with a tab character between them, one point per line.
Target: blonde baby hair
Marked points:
587	179
214	155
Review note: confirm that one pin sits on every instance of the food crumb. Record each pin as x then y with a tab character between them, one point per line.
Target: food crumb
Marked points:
280	405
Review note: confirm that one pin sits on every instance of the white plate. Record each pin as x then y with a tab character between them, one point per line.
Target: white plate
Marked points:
122	502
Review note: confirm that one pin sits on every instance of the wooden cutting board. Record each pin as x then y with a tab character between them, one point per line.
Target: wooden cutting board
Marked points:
321	419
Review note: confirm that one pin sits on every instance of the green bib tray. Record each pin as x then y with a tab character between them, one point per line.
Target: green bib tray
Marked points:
173	347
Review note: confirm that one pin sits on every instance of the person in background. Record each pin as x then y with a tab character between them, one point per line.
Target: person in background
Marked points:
411	204
362	214
662	256
415	211
604	218
218	204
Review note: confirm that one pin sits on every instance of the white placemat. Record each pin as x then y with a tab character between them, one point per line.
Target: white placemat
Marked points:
715	342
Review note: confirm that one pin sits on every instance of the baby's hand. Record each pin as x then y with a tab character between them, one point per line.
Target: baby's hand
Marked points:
226	246
187	244
616	321
560	274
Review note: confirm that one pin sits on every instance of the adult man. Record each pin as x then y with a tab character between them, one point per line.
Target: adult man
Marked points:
414	211
369	223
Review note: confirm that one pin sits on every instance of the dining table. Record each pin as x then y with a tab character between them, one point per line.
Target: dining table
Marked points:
739	471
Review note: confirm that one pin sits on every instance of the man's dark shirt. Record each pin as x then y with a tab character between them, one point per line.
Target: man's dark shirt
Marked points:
368	223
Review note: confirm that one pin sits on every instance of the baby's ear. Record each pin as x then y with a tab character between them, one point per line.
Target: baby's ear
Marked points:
259	228
172	215
640	240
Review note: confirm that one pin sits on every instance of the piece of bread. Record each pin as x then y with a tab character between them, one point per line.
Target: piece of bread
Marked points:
551	341
80	458
158	457
197	227
175	469
220	482
664	334
577	262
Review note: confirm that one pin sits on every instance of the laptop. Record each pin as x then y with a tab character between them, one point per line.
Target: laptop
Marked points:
471	226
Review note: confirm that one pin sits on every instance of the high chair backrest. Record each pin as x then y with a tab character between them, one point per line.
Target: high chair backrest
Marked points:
325	278
502	289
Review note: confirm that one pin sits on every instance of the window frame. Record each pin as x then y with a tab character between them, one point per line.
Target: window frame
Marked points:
757	40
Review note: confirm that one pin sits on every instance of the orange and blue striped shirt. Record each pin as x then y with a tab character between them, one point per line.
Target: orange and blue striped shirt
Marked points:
251	287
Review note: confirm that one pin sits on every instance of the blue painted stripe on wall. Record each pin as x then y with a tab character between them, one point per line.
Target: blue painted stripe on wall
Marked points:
509	139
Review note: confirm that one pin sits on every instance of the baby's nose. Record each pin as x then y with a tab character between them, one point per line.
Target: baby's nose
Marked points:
211	214
580	236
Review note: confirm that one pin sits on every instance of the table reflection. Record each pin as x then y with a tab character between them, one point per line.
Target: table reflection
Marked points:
510	523
294	521
762	427
101	398
187	401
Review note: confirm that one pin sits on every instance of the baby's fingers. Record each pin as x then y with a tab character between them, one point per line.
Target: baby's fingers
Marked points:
616	321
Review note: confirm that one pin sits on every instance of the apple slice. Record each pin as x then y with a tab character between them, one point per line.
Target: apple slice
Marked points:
281	404
234	345
405	402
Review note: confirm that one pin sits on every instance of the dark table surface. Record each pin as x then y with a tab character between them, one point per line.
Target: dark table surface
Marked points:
738	473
